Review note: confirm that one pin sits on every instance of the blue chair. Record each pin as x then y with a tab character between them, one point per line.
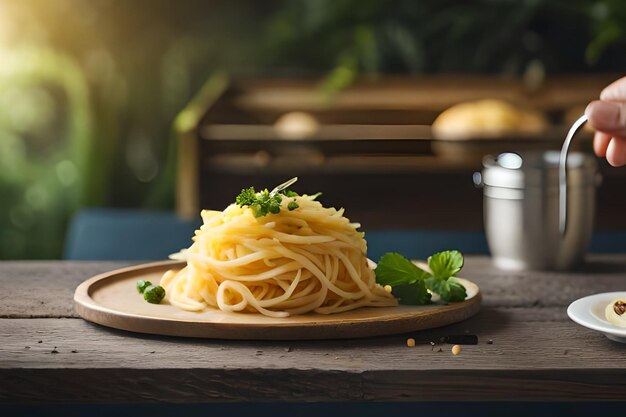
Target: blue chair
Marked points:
420	244
117	234
609	242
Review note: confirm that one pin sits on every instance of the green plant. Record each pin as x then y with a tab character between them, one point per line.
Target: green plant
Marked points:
90	90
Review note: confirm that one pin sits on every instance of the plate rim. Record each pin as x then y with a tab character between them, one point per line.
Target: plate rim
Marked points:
89	309
589	320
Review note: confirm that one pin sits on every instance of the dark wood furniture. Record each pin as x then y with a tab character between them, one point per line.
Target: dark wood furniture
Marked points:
50	356
373	151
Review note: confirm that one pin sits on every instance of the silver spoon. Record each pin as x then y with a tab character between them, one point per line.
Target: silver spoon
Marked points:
563	173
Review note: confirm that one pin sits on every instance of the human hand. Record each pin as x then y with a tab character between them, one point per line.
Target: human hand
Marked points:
608	117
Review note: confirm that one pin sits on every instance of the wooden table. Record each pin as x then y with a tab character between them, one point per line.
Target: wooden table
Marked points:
49	356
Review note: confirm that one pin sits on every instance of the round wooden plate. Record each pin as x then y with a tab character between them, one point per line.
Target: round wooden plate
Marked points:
111	299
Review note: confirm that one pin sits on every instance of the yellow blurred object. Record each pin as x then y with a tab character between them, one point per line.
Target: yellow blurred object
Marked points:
296	125
486	118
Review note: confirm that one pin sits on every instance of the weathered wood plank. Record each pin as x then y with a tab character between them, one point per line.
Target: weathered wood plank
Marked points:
72	386
602	273
517	344
45	289
537	353
537	361
486	385
114	385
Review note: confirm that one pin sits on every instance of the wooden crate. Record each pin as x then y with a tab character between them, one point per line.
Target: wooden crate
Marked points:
373	152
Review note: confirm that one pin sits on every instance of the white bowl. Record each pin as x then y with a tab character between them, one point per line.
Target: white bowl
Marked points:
589	312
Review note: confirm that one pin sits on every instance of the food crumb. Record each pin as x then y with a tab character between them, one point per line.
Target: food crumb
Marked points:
410	342
388	288
41	341
26	347
456	349
53	351
490	342
566	351
74	351
154	351
440	350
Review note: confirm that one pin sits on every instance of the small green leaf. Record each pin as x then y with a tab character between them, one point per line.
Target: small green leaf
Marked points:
292	205
394	269
289	193
450	290
412	294
457	290
446	264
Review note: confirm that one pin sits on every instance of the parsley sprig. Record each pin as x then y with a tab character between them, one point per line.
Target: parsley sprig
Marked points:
411	284
265	202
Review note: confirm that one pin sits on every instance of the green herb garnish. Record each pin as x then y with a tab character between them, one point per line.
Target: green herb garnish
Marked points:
409	282
142	285
406	280
154	294
444	266
246	197
265	202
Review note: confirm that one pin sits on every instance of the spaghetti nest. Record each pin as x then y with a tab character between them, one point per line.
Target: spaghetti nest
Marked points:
308	259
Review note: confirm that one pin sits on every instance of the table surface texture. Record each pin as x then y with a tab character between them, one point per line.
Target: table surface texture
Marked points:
528	349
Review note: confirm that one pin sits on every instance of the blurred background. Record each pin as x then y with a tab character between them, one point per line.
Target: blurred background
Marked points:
176	105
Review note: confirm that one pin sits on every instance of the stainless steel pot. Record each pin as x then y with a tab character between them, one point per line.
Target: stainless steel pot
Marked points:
521	209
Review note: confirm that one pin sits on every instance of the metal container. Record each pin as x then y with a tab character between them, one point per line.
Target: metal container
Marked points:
521	209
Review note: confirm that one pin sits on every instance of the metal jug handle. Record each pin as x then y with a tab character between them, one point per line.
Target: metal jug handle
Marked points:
563	173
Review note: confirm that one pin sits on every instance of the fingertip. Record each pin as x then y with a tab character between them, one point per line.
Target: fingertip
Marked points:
589	108
600	143
605	116
615	91
616	152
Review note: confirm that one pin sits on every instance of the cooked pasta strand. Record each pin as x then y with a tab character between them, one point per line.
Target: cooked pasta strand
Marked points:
311	259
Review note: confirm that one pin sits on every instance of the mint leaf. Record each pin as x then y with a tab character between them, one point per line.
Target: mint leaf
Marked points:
450	289
446	264
457	290
394	269
412	294
410	284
